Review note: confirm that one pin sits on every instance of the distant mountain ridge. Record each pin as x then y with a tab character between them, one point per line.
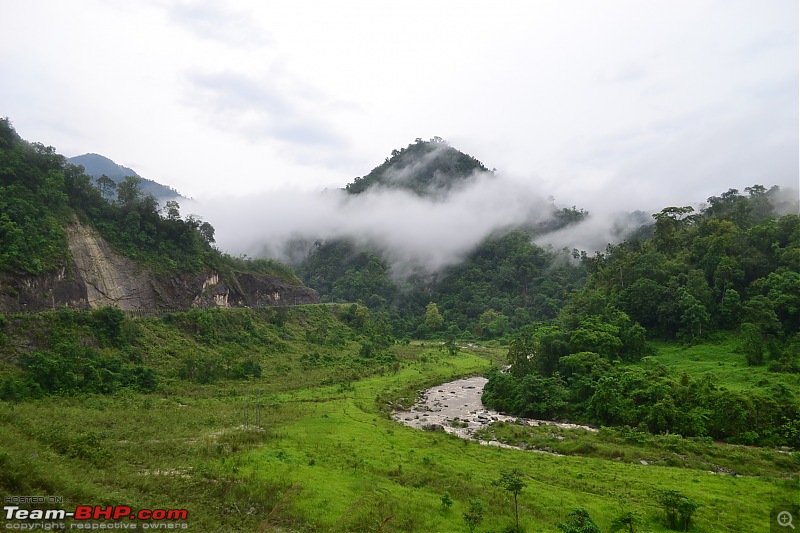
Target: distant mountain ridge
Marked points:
95	165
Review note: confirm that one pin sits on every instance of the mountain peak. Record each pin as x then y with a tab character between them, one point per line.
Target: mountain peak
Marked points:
424	167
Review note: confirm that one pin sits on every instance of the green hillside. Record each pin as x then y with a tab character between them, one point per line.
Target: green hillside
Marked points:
275	420
506	282
41	193
97	166
425	168
679	346
732	267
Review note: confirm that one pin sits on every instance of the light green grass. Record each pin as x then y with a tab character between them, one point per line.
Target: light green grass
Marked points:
722	359
326	457
348	468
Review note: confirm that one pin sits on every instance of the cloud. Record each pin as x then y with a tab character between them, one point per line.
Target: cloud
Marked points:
261	108
208	20
414	233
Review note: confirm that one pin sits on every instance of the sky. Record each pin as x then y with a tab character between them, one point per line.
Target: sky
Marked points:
612	105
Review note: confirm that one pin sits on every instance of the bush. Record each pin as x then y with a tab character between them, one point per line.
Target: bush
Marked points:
678	509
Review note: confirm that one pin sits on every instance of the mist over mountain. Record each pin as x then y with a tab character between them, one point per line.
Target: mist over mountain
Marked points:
96	165
429	169
425	208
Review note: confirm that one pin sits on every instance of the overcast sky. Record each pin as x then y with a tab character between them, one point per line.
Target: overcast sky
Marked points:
631	104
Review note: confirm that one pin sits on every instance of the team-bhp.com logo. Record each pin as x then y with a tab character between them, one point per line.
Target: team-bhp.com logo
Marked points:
87	517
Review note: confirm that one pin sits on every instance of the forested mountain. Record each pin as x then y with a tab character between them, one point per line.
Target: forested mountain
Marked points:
506	282
426	168
734	266
96	166
54	226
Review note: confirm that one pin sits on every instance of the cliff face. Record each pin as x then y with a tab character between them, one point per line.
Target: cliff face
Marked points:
96	276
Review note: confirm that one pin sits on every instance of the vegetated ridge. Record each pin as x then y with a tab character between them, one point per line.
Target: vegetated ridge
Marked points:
66	242
729	269
425	168
506	282
97	166
275	418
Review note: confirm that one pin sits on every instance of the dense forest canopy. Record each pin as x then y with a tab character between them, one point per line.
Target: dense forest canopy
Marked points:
423	167
732	266
506	282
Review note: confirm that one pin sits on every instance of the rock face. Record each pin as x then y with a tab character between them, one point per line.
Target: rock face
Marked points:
96	276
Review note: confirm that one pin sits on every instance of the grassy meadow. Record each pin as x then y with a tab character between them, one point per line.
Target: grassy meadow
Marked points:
308	445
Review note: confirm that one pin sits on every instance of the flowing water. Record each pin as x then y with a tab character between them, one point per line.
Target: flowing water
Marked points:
456	407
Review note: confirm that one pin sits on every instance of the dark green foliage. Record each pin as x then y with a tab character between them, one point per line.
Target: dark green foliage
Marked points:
531	396
473	516
626	522
678	509
719	268
447	501
572	369
504	284
247	369
33	205
421	167
70	368
579	521
108	325
41	194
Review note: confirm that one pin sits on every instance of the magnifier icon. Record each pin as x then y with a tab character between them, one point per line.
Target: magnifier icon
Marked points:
785	519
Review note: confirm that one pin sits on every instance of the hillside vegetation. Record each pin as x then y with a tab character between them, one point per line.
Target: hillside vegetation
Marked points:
41	193
275	420
278	419
732	267
506	282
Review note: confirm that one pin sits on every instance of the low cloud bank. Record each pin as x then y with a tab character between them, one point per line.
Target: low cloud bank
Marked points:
413	232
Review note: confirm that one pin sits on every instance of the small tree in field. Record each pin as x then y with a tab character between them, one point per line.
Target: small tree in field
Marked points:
626	522
678	509
447	501
474	515
512	481
579	521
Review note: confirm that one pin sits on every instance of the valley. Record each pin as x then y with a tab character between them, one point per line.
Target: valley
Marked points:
141	365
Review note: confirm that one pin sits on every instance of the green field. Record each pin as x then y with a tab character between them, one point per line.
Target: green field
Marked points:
308	446
722	358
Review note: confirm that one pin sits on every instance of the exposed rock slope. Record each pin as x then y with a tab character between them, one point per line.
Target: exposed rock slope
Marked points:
97	276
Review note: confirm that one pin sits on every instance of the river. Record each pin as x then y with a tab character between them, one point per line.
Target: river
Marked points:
456	408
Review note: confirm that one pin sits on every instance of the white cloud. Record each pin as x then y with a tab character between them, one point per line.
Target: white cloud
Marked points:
666	101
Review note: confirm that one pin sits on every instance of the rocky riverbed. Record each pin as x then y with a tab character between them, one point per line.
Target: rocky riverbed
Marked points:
456	408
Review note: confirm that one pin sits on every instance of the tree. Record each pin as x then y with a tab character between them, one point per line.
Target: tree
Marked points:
207	232
172	210
731	308
433	319
579	522
474	514
668	222
512	481
129	192
627	522
521	353
678	509
693	314
106	185
447	501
